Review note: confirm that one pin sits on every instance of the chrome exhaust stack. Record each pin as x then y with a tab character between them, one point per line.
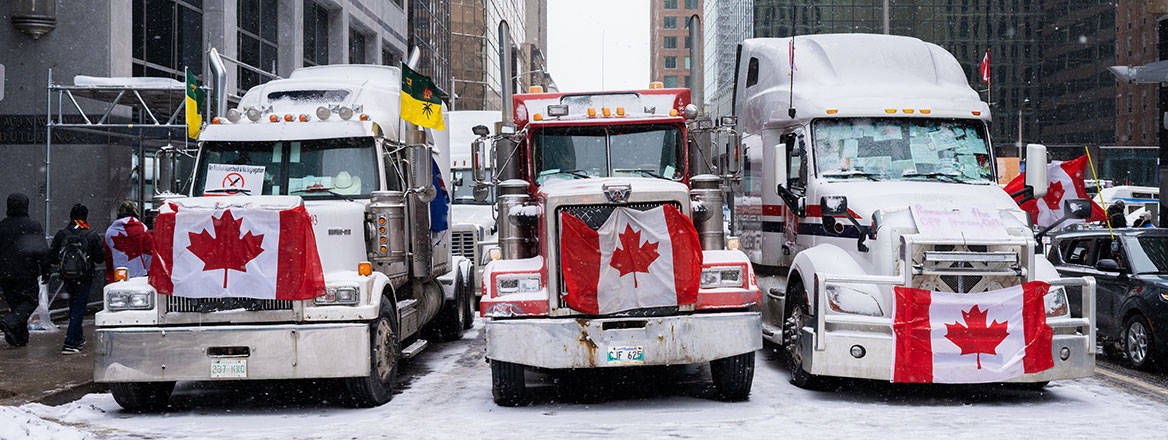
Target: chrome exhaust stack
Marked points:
707	210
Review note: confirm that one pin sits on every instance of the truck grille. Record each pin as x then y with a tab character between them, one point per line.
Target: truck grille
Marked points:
207	305
462	243
595	215
965	276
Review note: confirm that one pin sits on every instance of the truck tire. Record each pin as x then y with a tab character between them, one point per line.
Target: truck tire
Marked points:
797	314
142	396
508	385
450	321
733	376
1138	342
385	351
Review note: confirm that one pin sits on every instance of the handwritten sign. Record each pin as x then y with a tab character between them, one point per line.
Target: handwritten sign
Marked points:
972	222
225	180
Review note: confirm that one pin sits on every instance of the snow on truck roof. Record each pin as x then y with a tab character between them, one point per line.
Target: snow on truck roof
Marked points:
852	75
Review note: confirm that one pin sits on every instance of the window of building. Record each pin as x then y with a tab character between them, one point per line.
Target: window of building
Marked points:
691	4
257	40
671	42
389	57
356	47
752	72
670	22
670	81
671	63
687	62
686	81
167	37
670	4
315	35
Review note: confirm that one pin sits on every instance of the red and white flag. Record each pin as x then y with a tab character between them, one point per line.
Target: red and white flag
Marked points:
128	244
238	252
945	337
985	67
637	259
1065	182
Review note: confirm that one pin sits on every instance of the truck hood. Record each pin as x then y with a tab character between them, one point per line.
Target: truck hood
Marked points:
591	191
865	197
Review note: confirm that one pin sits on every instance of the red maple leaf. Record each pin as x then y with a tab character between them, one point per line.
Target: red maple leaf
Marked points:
135	242
1054	195
975	337
632	256
226	250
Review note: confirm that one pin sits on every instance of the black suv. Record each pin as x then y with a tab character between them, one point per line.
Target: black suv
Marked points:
1131	276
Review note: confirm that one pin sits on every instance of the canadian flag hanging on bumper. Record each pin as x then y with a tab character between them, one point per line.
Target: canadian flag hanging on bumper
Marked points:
637	259
944	337
238	252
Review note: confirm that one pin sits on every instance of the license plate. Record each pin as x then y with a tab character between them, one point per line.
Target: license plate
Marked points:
228	368
626	355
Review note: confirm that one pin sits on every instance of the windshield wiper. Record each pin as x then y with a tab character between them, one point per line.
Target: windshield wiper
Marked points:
645	171
578	173
228	191
853	173
323	189
948	177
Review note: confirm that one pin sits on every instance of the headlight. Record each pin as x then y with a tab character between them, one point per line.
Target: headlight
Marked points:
722	276
1056	302
129	300
846	299
517	283
344	295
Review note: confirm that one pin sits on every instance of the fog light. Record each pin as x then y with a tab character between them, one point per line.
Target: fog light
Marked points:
857	351
1064	353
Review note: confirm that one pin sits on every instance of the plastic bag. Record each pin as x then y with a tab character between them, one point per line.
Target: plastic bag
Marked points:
40	321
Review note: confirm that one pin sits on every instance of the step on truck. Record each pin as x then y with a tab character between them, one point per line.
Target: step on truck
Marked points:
592	157
848	151
328	139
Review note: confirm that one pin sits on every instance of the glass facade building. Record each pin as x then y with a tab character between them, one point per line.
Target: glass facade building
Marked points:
430	33
727	23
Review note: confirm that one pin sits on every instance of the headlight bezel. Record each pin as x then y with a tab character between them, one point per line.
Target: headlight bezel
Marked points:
1061	306
343	295
714	277
835	300
120	300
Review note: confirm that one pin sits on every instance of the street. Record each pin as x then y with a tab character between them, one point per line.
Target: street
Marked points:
445	393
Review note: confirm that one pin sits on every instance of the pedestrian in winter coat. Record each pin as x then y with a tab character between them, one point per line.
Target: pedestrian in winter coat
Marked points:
128	244
77	250
22	259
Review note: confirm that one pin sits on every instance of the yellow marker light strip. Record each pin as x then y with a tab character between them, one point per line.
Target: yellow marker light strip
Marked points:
832	112
889	110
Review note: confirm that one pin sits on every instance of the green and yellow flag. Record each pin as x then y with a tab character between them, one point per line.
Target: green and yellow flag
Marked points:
196	98
420	102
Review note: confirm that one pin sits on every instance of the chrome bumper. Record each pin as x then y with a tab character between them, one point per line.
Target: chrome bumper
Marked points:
585	343
287	351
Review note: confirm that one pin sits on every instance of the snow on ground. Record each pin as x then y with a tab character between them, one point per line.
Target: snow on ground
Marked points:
446	394
16	424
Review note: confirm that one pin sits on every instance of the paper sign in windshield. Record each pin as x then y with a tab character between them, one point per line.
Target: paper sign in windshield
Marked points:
228	180
972	222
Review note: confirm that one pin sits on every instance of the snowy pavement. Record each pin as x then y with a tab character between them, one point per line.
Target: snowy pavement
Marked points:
446	394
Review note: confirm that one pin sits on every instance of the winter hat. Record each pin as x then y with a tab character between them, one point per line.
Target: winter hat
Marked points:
79	212
128	209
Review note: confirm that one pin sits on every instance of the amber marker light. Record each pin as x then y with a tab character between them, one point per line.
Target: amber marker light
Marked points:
364	117
672	112
832	111
537	117
890	110
288	118
274	118
216	120
908	110
620	111
976	113
925	111
607	111
591	112
365	268
121	274
303	118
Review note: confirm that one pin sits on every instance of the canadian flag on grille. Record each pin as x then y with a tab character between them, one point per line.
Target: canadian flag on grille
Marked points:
236	252
129	245
944	337
637	259
1065	181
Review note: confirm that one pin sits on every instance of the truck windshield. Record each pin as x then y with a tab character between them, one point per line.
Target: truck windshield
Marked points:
902	149
622	150
321	168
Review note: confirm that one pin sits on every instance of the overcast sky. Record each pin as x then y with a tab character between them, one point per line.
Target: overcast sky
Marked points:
576	30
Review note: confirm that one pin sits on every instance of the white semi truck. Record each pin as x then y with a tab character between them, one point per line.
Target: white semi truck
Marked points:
473	217
328	138
844	150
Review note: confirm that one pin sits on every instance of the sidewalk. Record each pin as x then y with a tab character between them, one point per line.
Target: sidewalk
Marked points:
39	372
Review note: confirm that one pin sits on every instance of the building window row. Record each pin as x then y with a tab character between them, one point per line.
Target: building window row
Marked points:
689	4
315	35
257	40
671	62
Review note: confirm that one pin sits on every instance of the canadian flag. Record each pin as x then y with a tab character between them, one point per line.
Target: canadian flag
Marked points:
128	244
985	67
637	259
238	252
945	337
1065	182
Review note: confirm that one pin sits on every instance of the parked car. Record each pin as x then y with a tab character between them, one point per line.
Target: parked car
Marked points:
1131	272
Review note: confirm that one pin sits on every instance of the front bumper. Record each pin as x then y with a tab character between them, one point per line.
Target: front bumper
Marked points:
286	351
585	343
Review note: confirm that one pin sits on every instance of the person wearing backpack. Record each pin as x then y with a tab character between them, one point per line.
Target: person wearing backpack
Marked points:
77	250
22	259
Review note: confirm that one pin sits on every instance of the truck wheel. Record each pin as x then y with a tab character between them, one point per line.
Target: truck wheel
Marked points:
733	376
1138	344
467	304
508	384
450	321
142	396
384	350
797	317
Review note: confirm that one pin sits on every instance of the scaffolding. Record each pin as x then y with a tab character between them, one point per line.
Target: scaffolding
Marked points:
149	112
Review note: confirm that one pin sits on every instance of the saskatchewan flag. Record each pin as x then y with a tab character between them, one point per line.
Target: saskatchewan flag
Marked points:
420	102
196	98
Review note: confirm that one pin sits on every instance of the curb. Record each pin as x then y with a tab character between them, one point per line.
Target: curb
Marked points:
58	397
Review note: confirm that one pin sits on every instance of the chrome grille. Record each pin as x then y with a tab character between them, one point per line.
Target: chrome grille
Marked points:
462	243
208	305
595	215
945	274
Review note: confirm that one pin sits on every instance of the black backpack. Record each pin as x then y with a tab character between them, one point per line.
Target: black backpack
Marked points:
74	258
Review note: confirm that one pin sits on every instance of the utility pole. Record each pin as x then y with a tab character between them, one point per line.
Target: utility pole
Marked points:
885	17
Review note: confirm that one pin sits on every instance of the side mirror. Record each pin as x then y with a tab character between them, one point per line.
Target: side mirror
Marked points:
421	178
1077	209
479	158
1036	169
733	149
481	191
481	130
1107	265
833	206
